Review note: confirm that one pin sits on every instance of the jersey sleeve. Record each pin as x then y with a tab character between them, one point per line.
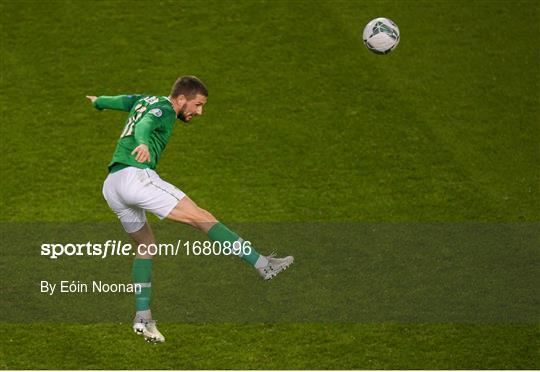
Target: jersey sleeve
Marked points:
122	103
144	128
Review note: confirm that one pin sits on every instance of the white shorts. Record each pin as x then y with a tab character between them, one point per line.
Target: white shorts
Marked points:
132	191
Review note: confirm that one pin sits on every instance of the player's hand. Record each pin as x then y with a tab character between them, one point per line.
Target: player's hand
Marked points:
142	153
91	98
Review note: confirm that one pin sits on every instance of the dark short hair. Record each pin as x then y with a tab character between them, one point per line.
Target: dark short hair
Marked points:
188	86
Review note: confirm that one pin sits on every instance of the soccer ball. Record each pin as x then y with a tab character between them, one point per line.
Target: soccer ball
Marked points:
381	35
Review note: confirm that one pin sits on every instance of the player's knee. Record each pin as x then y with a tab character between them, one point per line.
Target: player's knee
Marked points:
201	219
204	216
188	212
198	214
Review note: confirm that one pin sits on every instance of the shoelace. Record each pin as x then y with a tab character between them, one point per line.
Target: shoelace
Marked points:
145	321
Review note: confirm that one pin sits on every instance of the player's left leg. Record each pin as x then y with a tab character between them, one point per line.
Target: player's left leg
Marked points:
142	271
121	189
143	323
167	201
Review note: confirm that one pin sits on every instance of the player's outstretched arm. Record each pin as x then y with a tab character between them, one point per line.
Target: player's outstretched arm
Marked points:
122	103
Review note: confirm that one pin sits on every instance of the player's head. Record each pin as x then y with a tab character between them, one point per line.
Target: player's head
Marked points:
189	96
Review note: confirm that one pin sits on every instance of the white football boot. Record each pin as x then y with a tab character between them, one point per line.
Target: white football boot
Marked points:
275	266
148	329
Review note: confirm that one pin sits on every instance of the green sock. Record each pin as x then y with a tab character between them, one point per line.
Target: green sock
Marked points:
142	274
220	233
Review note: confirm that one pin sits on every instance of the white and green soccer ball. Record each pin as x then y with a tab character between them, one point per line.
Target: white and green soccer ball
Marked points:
381	35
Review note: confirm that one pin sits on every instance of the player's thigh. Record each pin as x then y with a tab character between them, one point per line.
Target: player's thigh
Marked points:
187	211
131	217
155	195
144	189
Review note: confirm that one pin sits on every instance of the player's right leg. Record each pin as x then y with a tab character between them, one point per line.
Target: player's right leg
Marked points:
186	211
167	201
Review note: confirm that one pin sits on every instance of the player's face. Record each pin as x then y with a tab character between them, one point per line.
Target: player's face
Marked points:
191	108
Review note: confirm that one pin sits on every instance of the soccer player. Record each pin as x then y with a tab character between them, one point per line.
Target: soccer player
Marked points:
133	187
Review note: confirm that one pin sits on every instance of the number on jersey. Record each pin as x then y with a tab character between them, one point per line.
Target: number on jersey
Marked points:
139	110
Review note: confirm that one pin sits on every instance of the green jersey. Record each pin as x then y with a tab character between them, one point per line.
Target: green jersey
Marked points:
151	121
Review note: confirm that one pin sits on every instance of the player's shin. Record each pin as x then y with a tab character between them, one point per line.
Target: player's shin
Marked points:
220	233
142	274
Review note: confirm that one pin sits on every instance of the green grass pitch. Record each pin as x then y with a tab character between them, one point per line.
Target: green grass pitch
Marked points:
303	124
